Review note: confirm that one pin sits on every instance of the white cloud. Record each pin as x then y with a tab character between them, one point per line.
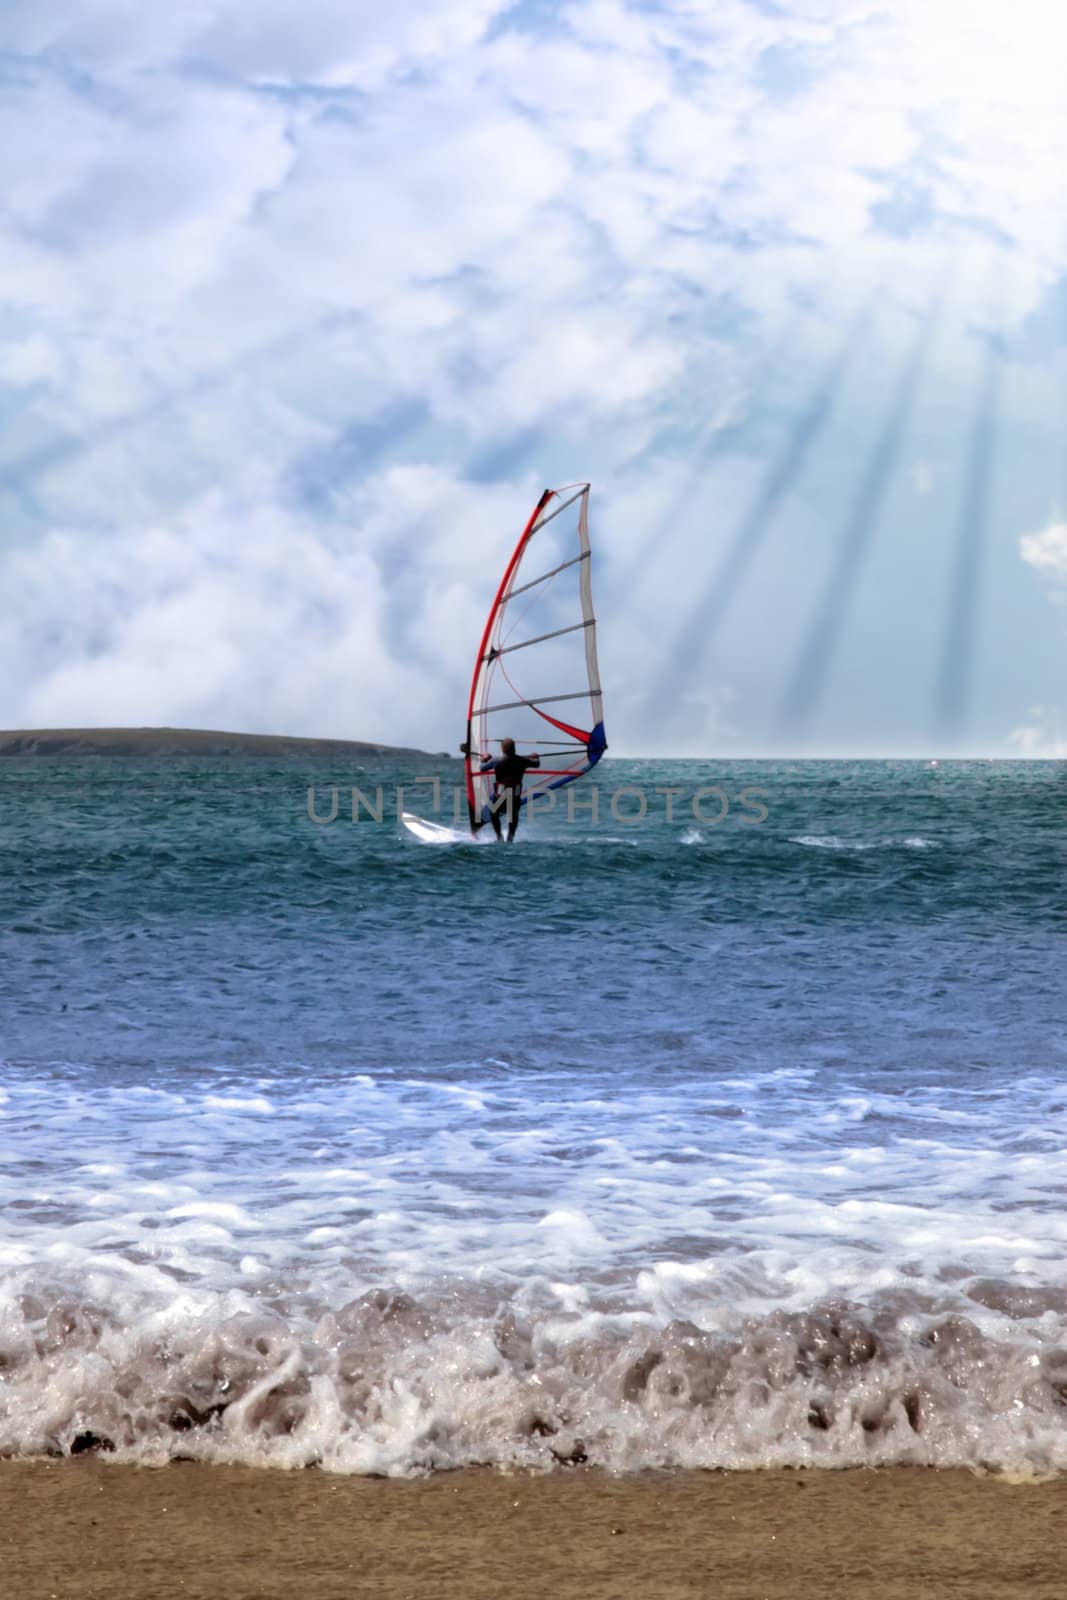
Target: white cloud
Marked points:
237	613
327	42
1046	551
231	607
1041	739
618	146
33	359
249	228
103	34
338	44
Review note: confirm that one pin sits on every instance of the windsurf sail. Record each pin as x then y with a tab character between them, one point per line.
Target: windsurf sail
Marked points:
535	675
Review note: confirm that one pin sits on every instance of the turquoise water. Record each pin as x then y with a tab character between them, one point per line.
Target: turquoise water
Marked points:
643	1141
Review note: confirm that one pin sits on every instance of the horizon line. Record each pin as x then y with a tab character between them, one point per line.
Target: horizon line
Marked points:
124	731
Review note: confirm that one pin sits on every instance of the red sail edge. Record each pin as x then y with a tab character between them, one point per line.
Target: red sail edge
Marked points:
516	556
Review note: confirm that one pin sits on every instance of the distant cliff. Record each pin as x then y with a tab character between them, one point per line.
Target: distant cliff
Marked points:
184	742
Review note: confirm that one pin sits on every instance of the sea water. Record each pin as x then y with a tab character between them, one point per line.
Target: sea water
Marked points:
723	1127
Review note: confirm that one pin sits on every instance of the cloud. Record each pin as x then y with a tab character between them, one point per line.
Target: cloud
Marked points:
102	35
240	241
337	44
330	43
34	359
1043	738
231	613
145	197
1046	552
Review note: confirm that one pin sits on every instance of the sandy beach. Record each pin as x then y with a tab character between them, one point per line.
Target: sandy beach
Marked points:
72	1530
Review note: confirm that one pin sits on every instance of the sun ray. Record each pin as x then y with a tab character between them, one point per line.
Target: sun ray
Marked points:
956	677
807	680
690	645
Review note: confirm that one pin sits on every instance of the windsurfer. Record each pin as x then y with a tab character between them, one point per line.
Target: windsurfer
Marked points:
508	772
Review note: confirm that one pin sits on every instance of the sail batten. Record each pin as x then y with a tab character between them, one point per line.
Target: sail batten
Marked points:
557	633
539	700
533	583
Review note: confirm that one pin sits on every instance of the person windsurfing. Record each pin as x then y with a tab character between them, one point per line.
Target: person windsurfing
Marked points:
508	772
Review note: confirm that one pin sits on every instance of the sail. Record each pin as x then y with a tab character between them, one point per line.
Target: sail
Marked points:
535	676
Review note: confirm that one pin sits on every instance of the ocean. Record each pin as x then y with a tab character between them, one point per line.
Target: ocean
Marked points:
722	1128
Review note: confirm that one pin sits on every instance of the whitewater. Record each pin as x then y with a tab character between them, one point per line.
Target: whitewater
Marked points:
652	1141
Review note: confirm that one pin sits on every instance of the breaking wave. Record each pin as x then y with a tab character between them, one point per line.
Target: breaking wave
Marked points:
395	1384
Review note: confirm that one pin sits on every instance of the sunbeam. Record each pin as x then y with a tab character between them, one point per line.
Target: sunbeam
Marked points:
956	678
808	678
692	641
715	440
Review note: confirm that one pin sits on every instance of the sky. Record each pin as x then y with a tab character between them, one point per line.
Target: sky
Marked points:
302	305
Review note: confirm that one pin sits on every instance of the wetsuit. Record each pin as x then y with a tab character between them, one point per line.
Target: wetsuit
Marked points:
508	773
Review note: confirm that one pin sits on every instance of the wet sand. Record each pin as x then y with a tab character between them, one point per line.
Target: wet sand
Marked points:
78	1529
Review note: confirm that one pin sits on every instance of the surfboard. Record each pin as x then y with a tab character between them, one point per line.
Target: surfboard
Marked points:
434	832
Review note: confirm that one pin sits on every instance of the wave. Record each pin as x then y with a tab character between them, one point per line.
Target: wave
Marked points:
394	1385
832	841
